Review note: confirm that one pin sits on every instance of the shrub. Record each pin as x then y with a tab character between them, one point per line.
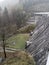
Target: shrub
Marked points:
27	29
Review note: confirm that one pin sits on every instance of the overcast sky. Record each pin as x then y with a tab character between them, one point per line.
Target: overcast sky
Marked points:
4	3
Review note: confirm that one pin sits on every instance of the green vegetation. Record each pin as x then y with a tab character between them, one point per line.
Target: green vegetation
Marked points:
20	58
17	41
27	29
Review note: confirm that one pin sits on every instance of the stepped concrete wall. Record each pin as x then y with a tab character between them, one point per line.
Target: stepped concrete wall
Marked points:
40	41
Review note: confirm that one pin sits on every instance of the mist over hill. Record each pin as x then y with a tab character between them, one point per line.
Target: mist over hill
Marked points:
34	5
38	5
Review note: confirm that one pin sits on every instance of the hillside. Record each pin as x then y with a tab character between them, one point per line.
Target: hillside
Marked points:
39	5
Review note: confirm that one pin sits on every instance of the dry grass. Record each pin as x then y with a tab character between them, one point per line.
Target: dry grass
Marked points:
19	58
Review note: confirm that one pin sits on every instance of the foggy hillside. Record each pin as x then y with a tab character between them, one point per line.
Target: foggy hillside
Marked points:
36	5
40	5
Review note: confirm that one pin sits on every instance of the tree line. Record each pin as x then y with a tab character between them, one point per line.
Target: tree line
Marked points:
12	21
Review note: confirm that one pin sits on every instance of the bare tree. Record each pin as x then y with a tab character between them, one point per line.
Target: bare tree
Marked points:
4	44
19	17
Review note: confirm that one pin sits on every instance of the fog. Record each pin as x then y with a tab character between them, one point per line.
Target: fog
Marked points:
7	3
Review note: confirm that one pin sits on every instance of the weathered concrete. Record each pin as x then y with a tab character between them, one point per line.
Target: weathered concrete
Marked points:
40	41
7	49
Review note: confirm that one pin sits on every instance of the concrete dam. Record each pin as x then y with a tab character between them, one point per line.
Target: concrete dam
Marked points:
39	46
